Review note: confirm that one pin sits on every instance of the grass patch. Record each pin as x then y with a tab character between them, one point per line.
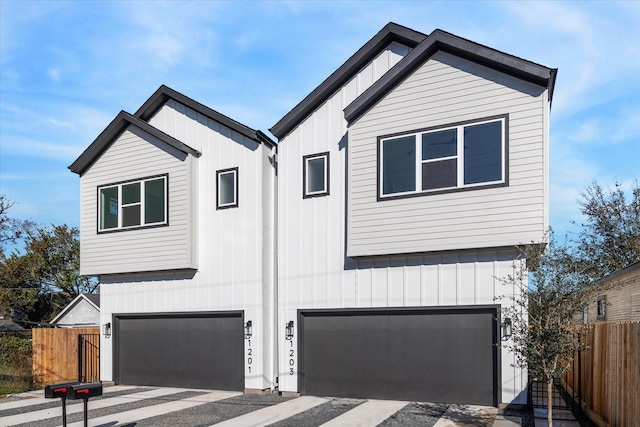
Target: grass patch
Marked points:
16	374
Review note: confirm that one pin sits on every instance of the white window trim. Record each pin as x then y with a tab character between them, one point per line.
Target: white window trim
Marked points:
305	187
459	157
142	224
219	174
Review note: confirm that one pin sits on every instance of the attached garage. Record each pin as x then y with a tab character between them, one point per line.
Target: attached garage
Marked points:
441	354
194	350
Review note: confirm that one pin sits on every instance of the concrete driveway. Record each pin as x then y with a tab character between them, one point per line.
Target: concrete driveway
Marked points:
162	406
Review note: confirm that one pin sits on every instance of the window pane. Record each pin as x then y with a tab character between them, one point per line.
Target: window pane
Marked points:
226	188
154	201
483	153
399	165
130	215
442	174
316	175
131	193
108	208
439	144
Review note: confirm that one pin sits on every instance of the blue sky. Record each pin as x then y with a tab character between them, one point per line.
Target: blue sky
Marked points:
68	68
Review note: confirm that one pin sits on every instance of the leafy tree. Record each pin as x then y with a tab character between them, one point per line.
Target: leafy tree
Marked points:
42	280
11	229
609	238
545	305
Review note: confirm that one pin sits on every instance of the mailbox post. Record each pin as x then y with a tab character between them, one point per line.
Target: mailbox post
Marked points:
53	391
84	391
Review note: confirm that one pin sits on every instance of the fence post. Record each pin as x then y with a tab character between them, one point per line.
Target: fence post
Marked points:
80	352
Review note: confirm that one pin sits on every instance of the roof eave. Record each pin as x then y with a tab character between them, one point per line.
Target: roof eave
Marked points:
441	40
118	125
164	93
390	33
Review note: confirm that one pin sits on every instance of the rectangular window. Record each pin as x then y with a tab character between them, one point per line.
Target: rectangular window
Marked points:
445	158
132	204
601	308
315	171
227	185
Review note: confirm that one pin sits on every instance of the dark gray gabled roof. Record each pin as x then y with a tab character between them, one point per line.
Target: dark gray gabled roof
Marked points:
164	93
441	40
390	33
114	130
94	298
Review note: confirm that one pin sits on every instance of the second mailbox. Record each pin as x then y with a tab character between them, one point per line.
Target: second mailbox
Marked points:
84	390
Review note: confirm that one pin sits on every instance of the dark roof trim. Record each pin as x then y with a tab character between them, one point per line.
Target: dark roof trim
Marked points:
390	33
118	125
441	40
164	93
617	274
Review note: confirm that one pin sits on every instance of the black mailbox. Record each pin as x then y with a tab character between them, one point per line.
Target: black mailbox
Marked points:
84	390
58	390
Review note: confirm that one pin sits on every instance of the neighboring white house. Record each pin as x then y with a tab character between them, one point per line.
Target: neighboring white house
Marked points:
82	312
365	267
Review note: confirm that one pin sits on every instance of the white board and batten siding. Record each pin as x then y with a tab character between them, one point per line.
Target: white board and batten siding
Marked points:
448	89
236	253
134	155
315	271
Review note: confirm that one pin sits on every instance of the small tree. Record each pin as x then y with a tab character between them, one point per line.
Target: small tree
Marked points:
550	293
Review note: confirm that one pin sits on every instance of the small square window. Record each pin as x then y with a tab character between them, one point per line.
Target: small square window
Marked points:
227	188
602	307
315	171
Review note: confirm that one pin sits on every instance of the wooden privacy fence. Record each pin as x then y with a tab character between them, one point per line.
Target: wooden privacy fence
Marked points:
65	354
605	380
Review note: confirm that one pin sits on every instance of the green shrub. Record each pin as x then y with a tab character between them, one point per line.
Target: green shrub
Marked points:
15	365
15	351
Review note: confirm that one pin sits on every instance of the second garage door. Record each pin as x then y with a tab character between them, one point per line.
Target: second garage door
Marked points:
200	350
433	355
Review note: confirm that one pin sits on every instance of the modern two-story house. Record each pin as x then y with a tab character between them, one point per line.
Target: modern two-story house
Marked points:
177	220
366	266
405	181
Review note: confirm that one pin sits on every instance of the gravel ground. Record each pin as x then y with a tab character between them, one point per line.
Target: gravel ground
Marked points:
53	403
72	418
416	415
212	413
320	414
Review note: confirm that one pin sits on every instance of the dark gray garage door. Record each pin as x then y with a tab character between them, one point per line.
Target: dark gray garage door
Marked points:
203	350
433	355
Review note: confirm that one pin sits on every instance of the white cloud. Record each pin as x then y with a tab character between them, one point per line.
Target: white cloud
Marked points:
54	74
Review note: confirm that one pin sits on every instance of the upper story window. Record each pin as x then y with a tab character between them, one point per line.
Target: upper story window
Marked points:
315	171
227	186
133	204
458	156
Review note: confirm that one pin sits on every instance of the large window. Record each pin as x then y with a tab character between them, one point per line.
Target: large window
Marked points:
227	185
133	204
315	171
446	158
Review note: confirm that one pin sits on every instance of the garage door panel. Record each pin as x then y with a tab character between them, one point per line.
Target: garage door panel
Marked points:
203	351
430	355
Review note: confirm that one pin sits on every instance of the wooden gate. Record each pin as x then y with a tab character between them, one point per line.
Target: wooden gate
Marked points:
56	354
88	357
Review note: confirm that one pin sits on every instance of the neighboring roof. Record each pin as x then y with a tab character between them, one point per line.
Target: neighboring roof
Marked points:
441	40
390	33
164	93
90	298
617	274
94	299
122	121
